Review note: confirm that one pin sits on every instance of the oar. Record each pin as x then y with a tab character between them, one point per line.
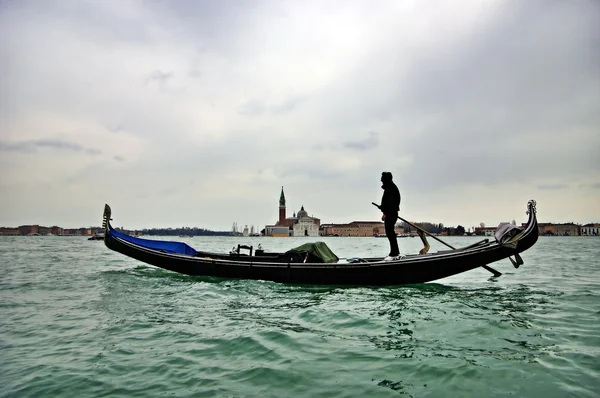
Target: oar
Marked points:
493	271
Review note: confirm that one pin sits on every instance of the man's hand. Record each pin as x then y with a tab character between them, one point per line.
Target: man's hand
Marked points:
383	218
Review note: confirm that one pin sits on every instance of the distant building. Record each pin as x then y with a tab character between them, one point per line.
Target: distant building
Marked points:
29	230
358	228
546	229
485	231
55	230
44	231
297	225
568	229
305	225
590	230
9	231
272	230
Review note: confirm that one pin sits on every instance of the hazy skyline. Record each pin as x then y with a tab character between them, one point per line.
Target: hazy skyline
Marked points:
196	113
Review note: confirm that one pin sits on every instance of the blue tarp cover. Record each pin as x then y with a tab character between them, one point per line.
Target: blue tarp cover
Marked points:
159	245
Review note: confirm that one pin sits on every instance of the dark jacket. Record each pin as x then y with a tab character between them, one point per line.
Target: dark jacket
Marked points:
390	201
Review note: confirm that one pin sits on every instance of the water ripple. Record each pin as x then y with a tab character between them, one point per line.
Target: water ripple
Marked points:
79	320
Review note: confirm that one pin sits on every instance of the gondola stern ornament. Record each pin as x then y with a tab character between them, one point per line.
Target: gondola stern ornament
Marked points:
531	207
106	217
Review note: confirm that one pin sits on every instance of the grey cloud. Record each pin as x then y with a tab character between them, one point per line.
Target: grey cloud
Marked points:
288	105
509	104
552	187
159	76
195	68
118	158
215	25
514	69
310	172
368	143
590	186
34	146
115	128
195	73
252	108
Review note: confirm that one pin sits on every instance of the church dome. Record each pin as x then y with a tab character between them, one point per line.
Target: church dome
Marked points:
302	213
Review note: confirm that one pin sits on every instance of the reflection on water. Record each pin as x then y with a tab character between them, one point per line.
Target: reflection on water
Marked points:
491	322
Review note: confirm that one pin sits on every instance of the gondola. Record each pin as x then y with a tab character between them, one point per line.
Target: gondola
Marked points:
318	266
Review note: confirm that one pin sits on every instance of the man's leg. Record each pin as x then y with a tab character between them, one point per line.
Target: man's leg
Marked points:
391	235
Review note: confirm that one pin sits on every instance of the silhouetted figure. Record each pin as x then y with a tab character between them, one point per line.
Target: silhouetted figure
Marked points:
390	205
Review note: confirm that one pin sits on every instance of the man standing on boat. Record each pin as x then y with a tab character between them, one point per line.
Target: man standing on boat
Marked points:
390	205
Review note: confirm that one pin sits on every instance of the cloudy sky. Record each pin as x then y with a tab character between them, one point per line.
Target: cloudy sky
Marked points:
196	113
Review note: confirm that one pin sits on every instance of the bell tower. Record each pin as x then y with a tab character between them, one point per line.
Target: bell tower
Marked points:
281	208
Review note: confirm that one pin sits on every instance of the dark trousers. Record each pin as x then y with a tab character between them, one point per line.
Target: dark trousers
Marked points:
390	222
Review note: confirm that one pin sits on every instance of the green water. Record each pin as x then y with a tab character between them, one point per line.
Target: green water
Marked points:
78	320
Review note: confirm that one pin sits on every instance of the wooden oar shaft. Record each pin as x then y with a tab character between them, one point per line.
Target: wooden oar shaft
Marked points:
493	271
422	230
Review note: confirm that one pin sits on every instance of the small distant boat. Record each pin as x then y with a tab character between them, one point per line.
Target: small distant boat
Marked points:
98	236
315	263
397	236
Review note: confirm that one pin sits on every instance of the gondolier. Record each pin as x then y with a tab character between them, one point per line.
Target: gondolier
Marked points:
390	205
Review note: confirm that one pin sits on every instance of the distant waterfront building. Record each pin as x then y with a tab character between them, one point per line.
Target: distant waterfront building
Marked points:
272	230
545	228
56	230
305	225
357	228
281	220
568	229
590	230
29	229
300	224
9	231
485	231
